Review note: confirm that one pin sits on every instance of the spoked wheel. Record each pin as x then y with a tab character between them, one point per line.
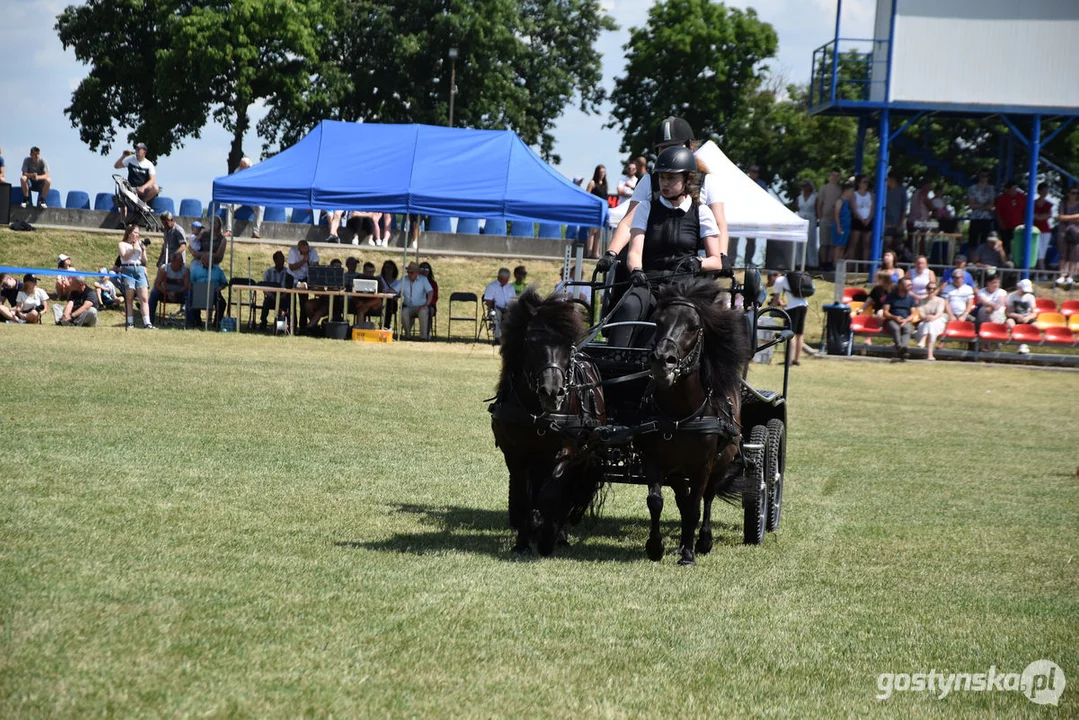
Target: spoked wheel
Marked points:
775	464
755	495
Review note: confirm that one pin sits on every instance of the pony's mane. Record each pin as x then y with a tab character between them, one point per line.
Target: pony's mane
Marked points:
555	316
726	348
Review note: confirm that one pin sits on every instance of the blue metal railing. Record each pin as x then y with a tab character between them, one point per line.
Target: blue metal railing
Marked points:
843	70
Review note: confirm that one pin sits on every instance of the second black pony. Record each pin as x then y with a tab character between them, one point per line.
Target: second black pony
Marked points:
547	401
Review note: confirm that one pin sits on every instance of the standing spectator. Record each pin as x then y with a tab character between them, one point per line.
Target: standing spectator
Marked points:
980	201
497	297
826	200
174	242
897	321
1068	238
1043	210
807	210
921	276
141	173
80	308
63	282
942	211
133	269
895	213
209	247
842	214
172	283
920	209
640	166
598	187
931	310
258	210
1010	206
627	183
416	298
31	301
862	220
196	230
299	259
959	297
107	294
520	274
275	277
35	178
992	301
796	308
1021	307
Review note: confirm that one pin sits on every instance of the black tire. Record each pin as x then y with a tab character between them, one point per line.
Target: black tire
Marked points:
775	464
755	494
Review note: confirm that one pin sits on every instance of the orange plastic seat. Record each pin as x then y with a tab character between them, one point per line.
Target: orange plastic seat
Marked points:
994	332
960	330
1059	336
1073	323
856	307
1069	308
1046	320
1026	334
1045	305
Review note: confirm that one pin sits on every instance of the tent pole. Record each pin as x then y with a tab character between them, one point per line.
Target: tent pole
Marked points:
209	271
232	272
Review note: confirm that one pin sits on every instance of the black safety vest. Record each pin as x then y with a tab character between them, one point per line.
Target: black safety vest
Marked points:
670	237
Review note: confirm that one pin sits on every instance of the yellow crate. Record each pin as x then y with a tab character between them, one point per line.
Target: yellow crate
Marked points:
375	336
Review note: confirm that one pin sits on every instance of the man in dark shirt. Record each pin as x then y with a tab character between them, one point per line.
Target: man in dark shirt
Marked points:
81	307
898	307
175	243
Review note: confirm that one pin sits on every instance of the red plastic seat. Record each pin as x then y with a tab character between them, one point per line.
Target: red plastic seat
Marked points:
994	332
1059	336
866	325
1069	308
1045	305
960	330
851	294
1026	334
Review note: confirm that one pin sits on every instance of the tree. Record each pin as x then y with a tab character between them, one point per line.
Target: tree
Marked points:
695	59
162	69
521	62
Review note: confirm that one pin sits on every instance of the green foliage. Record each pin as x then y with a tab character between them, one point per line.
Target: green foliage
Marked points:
521	62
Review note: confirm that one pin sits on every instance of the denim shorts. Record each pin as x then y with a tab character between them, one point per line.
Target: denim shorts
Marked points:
134	277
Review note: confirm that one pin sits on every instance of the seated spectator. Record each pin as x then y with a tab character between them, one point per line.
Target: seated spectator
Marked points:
932	319
921	276
172	283
990	254
887	262
107	294
30	303
416	296
387	281
197	274
959	297
360	306
898	307
133	269
318	306
35	178
80	308
141	173
992	301
428	272
959	264
174	241
9	289
63	282
370	224
299	259
209	246
1020	307
520	274
497	297
351	263
276	277
258	210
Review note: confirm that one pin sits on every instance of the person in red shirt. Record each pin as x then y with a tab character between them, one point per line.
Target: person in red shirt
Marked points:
1010	206
1043	210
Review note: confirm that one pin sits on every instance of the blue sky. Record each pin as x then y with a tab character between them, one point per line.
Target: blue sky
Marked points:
39	76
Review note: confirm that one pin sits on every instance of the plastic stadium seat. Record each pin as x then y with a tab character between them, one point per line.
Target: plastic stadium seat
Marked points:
494	226
1045	305
274	214
105	202
1059	336
1068	308
53	198
856	306
571	232
582	233
440	224
994	332
77	200
190	207
244	213
551	231
1046	320
523	228
302	215
1073	323
468	226
1026	334
960	330
851	294
867	325
161	204
16	196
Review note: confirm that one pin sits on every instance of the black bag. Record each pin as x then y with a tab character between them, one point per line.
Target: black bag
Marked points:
22	225
801	284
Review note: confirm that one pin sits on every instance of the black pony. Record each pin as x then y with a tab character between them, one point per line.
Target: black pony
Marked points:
547	402
701	352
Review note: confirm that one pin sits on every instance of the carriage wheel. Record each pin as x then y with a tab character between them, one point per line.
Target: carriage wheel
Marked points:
775	464
755	496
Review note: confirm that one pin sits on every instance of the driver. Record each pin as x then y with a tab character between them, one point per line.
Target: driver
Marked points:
665	236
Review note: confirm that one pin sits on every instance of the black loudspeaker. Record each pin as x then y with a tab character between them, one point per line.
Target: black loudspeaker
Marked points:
779	255
5	203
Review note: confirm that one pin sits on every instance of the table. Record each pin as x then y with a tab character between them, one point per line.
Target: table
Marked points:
305	291
932	237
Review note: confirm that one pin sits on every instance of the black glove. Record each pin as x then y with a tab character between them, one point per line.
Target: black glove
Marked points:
691	264
606	262
725	261
638	278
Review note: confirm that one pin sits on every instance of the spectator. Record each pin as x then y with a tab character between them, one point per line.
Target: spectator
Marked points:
959	297
895	213
598	187
141	173
942	211
1021	307
275	277
861	220
387	281
257	210
172	283
796	308
35	178
920	206
990	254
361	307
898	307
30	303
931	311
198	274
209	247
807	210
107	294
351	263
627	183
9	289
992	301
63	282
497	297
360	222
3	171
826	200
1010	206
1043	210
174	241
416	296
640	166
960	264
887	262
299	259
520	274
428	272
1068	238
196	230
842	214
133	269
80	308
874	302
921	277
980	201
318	306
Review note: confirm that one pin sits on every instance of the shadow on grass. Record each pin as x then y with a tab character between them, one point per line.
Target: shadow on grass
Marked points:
487	532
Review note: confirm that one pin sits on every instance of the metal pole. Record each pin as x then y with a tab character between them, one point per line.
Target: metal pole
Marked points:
884	134
1032	191
453	88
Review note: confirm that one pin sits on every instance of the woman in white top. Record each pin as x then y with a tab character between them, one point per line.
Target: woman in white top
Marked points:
921	276
796	308
807	210
861	221
933	320
133	270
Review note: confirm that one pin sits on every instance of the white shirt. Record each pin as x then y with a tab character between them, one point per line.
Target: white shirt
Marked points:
957	297
1020	302
295	257
501	294
711	191
413	292
807	207
627	185
863	204
27	302
709	227
145	164
782	286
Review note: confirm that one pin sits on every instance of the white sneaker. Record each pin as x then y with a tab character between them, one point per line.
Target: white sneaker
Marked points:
1069	282
22	205
1024	349
42	206
1059	281
371	241
355	240
415	244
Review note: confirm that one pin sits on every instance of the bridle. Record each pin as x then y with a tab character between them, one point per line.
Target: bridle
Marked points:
535	379
689	362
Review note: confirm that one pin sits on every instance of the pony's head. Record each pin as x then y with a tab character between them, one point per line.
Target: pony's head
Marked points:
694	332
538	338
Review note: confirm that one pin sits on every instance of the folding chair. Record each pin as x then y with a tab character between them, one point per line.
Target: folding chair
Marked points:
240	303
463	298
197	301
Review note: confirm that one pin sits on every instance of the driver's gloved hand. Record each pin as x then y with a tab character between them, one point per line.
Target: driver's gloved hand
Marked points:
606	262
638	278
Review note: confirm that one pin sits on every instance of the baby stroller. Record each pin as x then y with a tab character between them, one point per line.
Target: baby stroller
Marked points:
132	207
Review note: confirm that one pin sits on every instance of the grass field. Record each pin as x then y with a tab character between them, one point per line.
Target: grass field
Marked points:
197	524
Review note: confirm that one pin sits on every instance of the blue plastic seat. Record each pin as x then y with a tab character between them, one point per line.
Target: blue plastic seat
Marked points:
582	233
16	196
77	200
494	226
244	213
440	224
105	202
274	214
53	198
190	208
523	228
571	232
162	204
468	226
551	231
302	215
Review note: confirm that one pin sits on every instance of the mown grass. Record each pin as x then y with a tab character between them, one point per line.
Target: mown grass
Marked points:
221	525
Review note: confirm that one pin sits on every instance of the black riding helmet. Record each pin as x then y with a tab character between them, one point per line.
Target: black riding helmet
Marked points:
673	131
675	160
